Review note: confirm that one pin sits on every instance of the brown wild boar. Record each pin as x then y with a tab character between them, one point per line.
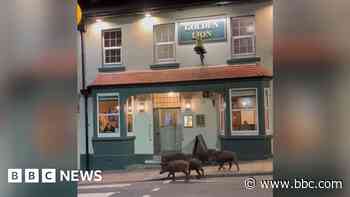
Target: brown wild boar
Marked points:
196	164
221	157
176	166
174	156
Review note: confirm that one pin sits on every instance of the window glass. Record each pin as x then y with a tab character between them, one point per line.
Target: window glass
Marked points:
130	117
164	43
243	110
188	121
108	114
268	109
243	35
112	46
200	120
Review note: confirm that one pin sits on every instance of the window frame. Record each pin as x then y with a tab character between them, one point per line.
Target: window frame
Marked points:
117	132
112	64
268	105
157	44
192	122
132	133
233	38
245	132
222	114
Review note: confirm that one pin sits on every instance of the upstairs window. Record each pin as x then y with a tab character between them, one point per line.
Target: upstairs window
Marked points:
164	46
243	36
112	47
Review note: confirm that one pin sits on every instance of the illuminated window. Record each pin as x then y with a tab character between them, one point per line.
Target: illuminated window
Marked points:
243	35
268	109
108	115
221	115
112	47
164	46
130	119
243	110
188	121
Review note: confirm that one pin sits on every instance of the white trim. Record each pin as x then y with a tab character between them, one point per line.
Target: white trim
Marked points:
117	131
115	64
248	132
270	109
132	133
156	44
233	38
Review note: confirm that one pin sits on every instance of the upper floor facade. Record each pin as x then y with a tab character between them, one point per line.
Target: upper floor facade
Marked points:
235	33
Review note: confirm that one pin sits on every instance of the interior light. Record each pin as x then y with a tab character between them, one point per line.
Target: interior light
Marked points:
98	20
148	14
188	105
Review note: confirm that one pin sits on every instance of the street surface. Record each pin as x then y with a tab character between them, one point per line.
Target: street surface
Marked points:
205	187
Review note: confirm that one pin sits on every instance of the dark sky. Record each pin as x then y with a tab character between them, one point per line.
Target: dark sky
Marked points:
95	4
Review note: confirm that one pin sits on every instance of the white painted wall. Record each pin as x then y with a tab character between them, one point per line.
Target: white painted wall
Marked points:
204	106
137	37
143	128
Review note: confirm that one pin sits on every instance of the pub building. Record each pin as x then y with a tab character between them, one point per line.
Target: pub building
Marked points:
148	92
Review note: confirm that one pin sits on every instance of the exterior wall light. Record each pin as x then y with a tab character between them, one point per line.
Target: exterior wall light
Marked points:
148	14
141	106
188	105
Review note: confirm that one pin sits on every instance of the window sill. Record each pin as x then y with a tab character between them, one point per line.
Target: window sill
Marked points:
164	66
243	60
113	68
112	138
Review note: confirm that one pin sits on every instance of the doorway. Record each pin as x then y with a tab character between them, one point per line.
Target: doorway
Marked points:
167	134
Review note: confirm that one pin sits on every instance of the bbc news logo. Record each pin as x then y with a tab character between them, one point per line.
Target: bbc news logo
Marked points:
52	175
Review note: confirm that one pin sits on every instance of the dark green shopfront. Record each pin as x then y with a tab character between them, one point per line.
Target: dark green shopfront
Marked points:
244	122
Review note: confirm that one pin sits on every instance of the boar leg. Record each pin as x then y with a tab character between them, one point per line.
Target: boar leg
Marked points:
236	163
199	174
173	176
230	165
202	170
187	175
221	165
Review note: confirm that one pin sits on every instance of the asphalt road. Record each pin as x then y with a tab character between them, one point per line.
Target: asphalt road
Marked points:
206	187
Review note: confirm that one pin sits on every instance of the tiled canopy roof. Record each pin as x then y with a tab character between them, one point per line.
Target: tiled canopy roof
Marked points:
181	75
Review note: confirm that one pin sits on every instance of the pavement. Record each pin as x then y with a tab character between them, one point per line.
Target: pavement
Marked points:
251	168
205	187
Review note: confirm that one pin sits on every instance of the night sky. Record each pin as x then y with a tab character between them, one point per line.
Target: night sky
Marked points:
97	4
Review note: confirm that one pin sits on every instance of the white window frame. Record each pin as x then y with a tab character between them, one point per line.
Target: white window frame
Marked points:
222	110
245	132
157	44
117	131
112	64
132	133
268	106
233	38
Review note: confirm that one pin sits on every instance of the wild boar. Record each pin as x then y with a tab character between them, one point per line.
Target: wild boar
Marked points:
204	156
221	157
176	166
174	156
196	164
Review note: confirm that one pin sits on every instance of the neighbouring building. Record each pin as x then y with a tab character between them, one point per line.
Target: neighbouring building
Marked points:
149	93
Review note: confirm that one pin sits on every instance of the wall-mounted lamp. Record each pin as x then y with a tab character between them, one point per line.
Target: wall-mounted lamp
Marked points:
148	14
141	106
188	105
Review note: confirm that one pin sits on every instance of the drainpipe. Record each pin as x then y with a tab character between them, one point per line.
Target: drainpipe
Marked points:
84	91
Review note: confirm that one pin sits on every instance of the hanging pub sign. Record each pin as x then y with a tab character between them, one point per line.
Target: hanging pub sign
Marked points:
211	30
